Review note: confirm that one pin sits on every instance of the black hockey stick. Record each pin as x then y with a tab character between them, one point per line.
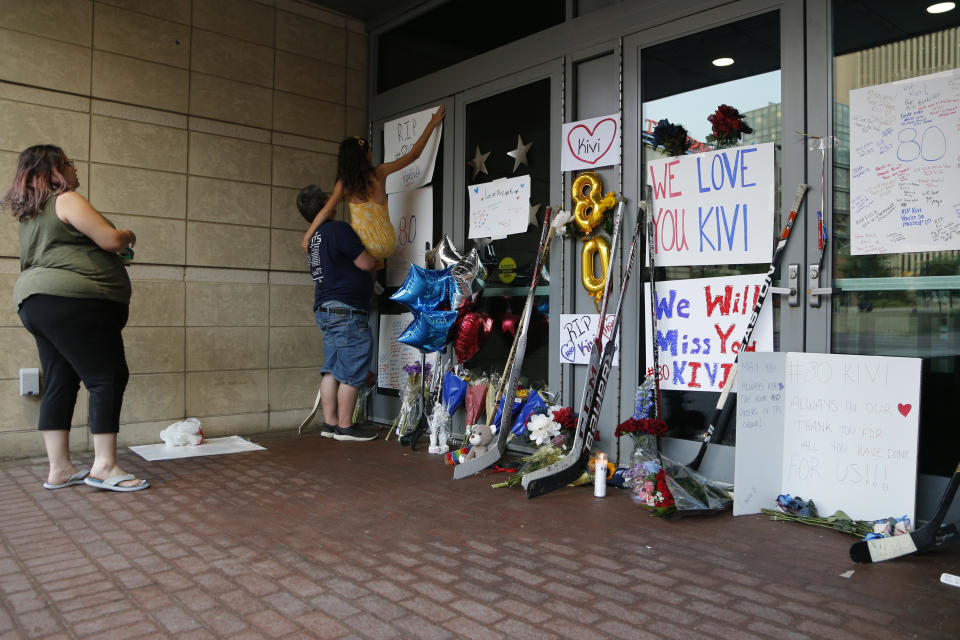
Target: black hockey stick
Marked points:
927	538
713	434
571	466
655	345
509	385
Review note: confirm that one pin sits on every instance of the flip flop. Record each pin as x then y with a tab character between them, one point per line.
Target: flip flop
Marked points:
313	414
75	479
113	483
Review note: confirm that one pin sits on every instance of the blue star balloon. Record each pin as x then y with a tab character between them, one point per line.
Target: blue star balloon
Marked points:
429	329
424	289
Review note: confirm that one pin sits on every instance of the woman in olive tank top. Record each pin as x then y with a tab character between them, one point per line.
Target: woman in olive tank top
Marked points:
73	295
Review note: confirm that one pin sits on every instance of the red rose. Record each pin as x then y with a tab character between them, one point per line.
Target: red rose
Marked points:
630	425
564	418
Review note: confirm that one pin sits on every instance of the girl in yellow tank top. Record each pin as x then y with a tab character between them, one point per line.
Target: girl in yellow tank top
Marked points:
362	186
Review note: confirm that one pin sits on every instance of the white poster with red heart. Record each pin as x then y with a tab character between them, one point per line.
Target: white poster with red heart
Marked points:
837	429
591	143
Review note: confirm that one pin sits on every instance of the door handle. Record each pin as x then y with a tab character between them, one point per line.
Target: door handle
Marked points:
791	290
814	290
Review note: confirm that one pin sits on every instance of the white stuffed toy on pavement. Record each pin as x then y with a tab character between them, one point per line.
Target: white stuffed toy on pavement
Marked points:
439	422
481	435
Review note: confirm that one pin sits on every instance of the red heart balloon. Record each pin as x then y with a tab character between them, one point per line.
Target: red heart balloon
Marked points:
472	334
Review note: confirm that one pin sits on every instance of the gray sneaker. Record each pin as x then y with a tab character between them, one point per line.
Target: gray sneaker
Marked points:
357	433
328	431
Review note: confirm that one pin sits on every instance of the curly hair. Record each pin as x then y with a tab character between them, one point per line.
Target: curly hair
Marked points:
310	200
353	168
39	176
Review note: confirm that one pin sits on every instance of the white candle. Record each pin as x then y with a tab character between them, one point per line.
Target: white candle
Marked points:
600	475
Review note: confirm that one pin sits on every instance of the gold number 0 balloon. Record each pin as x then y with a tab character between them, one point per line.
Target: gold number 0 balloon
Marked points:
591	282
589	203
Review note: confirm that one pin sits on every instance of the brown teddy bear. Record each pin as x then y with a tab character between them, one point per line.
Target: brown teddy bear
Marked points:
481	436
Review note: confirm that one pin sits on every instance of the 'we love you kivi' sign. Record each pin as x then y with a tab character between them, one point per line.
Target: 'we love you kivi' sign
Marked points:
714	208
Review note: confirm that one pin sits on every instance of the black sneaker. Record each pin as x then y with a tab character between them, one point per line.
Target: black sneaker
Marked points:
327	431
357	433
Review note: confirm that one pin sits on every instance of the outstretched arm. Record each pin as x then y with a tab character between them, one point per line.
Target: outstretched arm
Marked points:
323	215
385	169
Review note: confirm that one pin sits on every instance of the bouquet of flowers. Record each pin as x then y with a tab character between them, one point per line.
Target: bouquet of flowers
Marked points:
666	487
410	400
547	427
542	457
673	137
673	490
640	426
728	127
796	509
650	489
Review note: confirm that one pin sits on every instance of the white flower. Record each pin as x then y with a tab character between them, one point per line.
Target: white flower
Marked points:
560	221
541	428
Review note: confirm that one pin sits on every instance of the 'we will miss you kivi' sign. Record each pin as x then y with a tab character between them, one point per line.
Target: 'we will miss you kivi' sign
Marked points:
714	208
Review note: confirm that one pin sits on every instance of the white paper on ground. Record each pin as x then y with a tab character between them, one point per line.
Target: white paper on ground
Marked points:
950	579
210	447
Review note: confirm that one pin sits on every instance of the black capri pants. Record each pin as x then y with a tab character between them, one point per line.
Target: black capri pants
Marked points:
79	339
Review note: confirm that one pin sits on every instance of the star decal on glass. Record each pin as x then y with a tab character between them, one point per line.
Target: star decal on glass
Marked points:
534	208
479	162
519	154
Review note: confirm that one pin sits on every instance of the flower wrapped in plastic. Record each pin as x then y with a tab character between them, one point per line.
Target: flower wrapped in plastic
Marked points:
673	490
411	401
452	396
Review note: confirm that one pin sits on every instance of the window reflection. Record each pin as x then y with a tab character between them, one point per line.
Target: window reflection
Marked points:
902	304
680	84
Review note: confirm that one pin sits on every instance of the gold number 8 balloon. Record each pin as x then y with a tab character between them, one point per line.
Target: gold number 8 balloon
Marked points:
588	214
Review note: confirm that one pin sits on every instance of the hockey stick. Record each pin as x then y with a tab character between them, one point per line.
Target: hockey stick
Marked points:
509	385
655	345
570	467
708	436
927	538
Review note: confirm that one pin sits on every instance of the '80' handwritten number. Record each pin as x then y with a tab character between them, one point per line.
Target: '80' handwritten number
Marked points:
408	230
932	145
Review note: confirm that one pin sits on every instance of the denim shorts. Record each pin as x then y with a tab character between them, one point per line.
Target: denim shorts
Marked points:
347	346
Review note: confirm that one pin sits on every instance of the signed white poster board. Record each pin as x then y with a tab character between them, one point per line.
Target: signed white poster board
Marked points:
905	166
411	214
499	208
700	324
840	430
399	137
393	355
591	143
715	207
577	333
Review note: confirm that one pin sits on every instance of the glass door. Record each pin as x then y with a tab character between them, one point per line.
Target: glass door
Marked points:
895	264
731	78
